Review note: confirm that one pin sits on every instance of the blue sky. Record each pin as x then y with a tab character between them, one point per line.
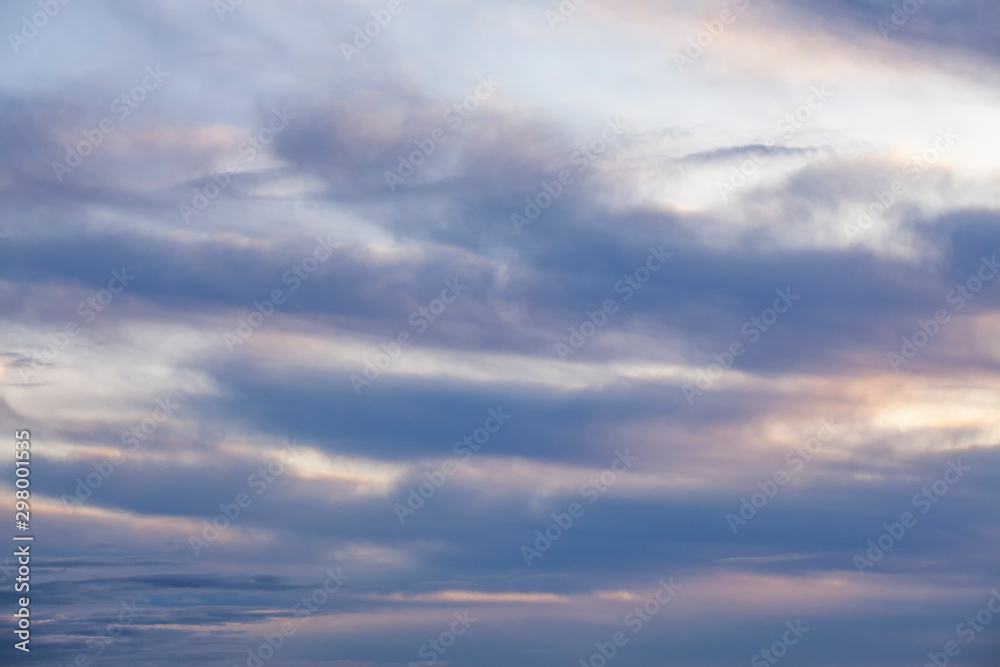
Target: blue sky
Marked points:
633	333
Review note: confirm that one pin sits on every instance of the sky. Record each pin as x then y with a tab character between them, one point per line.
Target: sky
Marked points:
413	332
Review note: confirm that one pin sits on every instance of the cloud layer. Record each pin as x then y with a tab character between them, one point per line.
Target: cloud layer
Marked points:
361	335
